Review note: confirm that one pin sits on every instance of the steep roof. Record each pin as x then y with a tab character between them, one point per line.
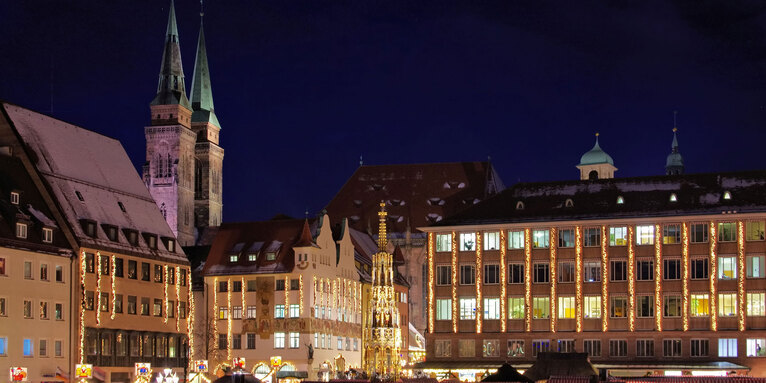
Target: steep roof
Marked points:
201	89
91	178
415	194
171	89
596	156
695	194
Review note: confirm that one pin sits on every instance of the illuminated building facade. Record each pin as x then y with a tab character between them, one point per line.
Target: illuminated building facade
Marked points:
661	274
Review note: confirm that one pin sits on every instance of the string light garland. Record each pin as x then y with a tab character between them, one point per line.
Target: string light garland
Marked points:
604	282
631	281
527	280
685	282
712	276
454	282
165	292
83	303
300	295
114	290
503	281
578	278
552	247
98	289
177	307
216	311
741	277
431	283
479	311
189	321
228	319
657	279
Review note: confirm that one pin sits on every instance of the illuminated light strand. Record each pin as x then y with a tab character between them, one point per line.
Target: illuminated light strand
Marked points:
454	283
300	295
578	278
83	303
503	281
631	281
189	321
228	319
741	277
177	308
479	311
165	292
287	294
244	299
215	312
431	283
527	280
713	275
685	282
552	247
604	282
114	289
657	279
98	289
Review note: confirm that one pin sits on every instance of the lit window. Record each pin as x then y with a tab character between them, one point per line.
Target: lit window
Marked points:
755	230
295	310
516	308
47	235
673	197
727	195
294	340
727	232
515	239
270	256
756	347
619	307
620	200
279	311
515	348
15	198
21	230
727	347
727	304
443	242
3	346
541	307
279	340
566	238
645	235
252	257
233	258
727	267
671	234
467	308
541	239
28	347
592	306
492	240
491	308
443	309
467	241
618	236
700	305
756	304
755	264
566	308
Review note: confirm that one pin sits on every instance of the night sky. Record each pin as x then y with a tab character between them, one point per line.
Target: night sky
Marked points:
303	88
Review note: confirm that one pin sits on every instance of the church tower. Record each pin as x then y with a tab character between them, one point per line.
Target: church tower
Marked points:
674	165
596	164
170	142
208	164
383	334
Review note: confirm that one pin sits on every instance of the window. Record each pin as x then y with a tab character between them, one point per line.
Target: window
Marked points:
645	306
340	343
515	239
515	348
29	347
442	347
145	271
251	310
466	348
43	272
443	242
515	308
539	346
727	267
592	305
132	273
14	198
516	273
755	266
699	268
592	347
270	256
279	340
467	241
89	301
236	341
2	266
491	274
223	341
727	347
727	304
58	349
755	231
618	347
279	311
47	235
755	304
727	232
566	238
566	271
592	271
118	267
591	237
27	270
158	273
700	347
671	269
756	347
541	239
233	258
157	307
294	284
671	347
566	307
619	271
566	345
280	285
443	309
182	310
104	302
43	310
132	304
672	306
144	306
618	236
671	234
467	274
700	305
541	307
673	197
295	310
645	270
236	312
3	346
644	235
183	277
59	311
491	308
236	286
21	230
698	233
251	341
294	340
541	272
252	257
620	200
467	308
118	303
645	347
492	240
223	287
619	307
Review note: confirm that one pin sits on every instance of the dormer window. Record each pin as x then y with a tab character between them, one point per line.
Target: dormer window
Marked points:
519	205
111	232
673	197
79	196
47	235
88	227
727	195
270	256
620	200
171	245
15	198
252	257
569	203
233	258
21	230
131	236
151	240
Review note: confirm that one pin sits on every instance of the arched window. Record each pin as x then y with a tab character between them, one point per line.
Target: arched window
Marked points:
569	203
164	210
519	205
593	175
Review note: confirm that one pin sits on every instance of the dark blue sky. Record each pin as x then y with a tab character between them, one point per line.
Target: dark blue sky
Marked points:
302	88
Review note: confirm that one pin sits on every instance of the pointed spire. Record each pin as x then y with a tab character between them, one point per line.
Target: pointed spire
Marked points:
675	162
171	89
201	90
382	235
305	239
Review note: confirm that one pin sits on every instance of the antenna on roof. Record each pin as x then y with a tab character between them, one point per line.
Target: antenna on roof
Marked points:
361	161
675	114
306	213
201	9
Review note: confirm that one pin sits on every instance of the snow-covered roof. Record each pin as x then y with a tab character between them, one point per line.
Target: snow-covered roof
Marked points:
92	178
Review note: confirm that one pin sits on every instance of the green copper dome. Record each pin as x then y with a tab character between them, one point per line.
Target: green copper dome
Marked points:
596	156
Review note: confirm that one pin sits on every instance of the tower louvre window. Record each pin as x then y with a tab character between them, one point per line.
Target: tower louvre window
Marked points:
15	198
